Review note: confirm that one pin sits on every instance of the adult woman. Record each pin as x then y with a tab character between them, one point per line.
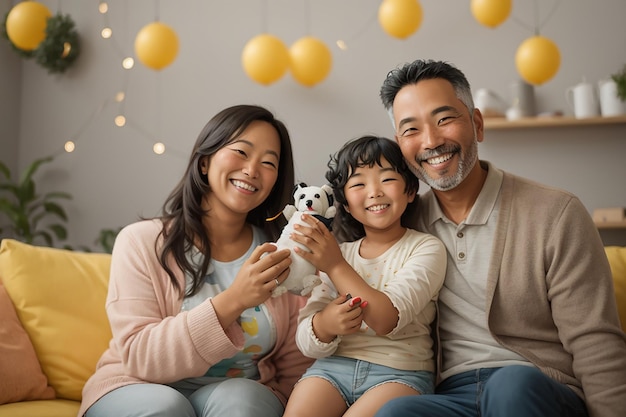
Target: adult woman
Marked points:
195	332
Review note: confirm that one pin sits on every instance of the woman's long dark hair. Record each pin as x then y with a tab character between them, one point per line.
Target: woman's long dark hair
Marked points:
182	212
364	151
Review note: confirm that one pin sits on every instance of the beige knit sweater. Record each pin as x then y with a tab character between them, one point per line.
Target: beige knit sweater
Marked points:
550	292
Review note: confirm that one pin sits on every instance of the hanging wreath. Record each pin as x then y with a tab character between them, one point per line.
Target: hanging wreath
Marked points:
60	48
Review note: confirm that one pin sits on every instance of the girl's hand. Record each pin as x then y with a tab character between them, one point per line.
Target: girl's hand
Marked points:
325	253
259	276
340	317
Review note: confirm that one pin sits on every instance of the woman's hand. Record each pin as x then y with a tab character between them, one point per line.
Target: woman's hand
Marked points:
340	317
254	283
260	275
325	253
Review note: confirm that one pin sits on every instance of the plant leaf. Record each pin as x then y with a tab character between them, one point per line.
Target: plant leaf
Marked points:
59	230
44	235
5	170
34	219
22	225
57	194
26	192
10	187
54	208
25	209
32	168
6	206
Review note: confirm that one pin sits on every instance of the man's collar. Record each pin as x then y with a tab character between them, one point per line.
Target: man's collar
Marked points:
486	201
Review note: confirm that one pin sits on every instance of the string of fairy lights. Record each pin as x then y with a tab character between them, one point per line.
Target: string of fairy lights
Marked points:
121	119
265	58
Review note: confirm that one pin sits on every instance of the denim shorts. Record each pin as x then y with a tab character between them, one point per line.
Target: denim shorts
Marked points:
353	377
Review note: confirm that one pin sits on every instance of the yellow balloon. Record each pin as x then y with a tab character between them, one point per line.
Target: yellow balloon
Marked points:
26	24
265	58
537	60
311	61
491	12
400	18
156	45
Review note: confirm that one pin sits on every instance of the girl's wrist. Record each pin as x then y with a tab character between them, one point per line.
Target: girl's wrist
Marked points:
338	269
316	339
322	336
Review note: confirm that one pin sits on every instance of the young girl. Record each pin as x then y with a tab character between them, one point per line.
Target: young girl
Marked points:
376	345
196	332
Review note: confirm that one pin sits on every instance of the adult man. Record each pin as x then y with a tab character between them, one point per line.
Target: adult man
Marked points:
527	323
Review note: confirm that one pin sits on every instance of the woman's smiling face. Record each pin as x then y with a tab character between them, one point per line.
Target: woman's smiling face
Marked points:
242	174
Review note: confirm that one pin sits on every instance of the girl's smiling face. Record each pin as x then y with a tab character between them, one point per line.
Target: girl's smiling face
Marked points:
377	197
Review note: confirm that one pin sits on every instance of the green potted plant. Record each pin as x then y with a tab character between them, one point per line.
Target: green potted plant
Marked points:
620	80
30	216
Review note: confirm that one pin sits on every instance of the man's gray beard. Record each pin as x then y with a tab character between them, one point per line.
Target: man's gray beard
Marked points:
466	165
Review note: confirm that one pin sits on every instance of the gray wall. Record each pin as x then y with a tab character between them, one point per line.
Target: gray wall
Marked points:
115	177
10	86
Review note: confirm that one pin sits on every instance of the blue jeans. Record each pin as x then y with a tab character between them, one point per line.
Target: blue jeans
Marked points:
234	397
512	391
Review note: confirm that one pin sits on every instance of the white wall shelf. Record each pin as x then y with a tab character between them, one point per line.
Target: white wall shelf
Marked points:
611	225
501	123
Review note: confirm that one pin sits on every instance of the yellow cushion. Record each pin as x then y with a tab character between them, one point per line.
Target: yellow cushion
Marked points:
59	297
617	259
49	408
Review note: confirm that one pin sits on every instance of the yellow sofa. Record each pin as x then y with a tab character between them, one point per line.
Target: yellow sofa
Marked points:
53	329
54	326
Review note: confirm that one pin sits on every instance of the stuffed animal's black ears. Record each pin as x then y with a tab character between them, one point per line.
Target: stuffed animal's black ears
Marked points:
299	185
329	196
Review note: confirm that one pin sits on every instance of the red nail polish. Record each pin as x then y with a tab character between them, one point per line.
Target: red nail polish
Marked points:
354	301
364	304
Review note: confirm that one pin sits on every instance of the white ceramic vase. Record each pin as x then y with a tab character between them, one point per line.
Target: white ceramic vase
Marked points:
610	103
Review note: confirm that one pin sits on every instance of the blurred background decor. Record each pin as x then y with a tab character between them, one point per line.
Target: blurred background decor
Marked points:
33	32
121	135
32	218
61	46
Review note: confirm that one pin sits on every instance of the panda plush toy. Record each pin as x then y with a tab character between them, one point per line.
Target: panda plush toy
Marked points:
318	202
